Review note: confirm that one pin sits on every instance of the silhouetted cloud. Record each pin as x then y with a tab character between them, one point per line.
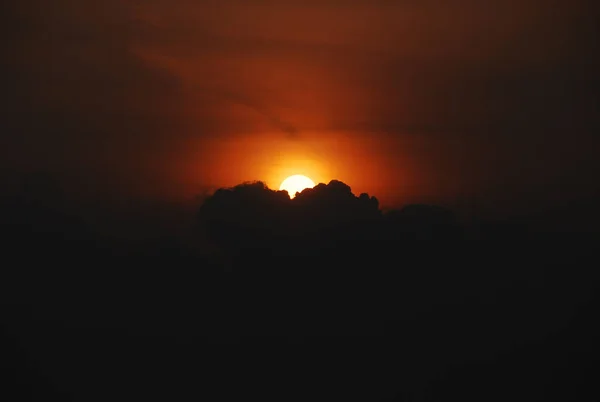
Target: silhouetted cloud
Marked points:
326	262
326	217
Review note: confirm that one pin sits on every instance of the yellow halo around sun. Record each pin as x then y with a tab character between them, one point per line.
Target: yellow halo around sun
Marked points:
295	184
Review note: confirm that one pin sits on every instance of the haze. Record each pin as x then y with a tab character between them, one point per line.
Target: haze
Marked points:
446	102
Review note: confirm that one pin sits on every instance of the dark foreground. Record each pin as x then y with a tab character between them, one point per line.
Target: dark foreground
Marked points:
493	316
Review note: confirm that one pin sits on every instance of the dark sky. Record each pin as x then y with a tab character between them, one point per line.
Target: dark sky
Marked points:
407	100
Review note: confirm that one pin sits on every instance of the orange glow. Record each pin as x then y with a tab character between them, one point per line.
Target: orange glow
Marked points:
361	161
295	184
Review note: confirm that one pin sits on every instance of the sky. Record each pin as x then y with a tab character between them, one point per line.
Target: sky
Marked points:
494	102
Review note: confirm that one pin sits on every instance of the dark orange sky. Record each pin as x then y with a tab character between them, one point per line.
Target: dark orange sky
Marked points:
406	100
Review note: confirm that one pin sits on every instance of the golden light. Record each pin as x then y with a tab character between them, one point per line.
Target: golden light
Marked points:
295	184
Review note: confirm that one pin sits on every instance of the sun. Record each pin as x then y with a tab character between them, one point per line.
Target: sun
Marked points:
295	184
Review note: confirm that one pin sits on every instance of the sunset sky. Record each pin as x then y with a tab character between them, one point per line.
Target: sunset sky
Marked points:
443	101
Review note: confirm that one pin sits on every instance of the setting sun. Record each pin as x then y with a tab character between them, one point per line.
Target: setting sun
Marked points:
295	184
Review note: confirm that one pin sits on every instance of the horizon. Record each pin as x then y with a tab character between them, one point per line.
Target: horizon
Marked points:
147	216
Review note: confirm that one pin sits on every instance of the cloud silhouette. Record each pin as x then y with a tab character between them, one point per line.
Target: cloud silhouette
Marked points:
251	215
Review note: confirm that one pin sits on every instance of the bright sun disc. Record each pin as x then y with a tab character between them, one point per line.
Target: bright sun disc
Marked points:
295	184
